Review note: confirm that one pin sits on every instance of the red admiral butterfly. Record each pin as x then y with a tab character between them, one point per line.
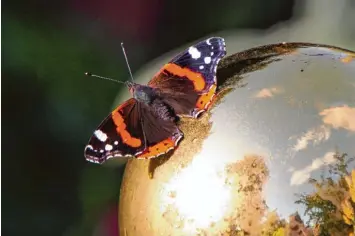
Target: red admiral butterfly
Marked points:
145	126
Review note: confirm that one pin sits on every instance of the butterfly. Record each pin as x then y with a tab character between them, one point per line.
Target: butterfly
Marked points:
146	125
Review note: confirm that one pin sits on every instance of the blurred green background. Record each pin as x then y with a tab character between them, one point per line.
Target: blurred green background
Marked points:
50	109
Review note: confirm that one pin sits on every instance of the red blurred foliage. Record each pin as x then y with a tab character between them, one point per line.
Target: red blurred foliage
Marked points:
138	18
108	224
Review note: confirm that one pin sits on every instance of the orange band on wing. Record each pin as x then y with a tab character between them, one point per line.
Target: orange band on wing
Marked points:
196	78
158	149
205	100
121	129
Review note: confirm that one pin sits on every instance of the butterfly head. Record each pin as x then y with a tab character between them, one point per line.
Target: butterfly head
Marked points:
140	92
131	86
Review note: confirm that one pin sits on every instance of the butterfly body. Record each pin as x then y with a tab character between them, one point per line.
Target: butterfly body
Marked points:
146	125
151	97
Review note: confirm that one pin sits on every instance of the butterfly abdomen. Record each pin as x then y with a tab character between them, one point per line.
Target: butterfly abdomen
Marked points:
163	111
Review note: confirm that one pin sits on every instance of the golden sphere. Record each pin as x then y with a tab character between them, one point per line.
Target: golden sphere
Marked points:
282	114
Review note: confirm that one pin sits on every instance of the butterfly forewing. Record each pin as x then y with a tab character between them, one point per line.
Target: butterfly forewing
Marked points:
120	134
188	82
203	57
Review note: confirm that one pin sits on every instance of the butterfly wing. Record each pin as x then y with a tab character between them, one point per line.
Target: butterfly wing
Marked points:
188	82
132	130
162	135
119	135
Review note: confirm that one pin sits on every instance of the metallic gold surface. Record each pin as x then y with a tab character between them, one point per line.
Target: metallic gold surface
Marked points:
284	110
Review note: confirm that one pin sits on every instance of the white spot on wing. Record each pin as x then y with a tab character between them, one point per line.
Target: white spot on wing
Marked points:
208	41
108	147
195	54
100	135
201	67
207	60
101	151
116	143
212	53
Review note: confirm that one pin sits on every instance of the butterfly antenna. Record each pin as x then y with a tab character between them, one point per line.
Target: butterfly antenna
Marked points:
101	77
125	56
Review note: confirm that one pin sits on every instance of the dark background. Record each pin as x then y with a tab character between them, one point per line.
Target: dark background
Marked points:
50	109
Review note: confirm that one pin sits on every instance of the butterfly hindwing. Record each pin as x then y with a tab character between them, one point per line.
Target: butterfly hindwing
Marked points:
162	135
